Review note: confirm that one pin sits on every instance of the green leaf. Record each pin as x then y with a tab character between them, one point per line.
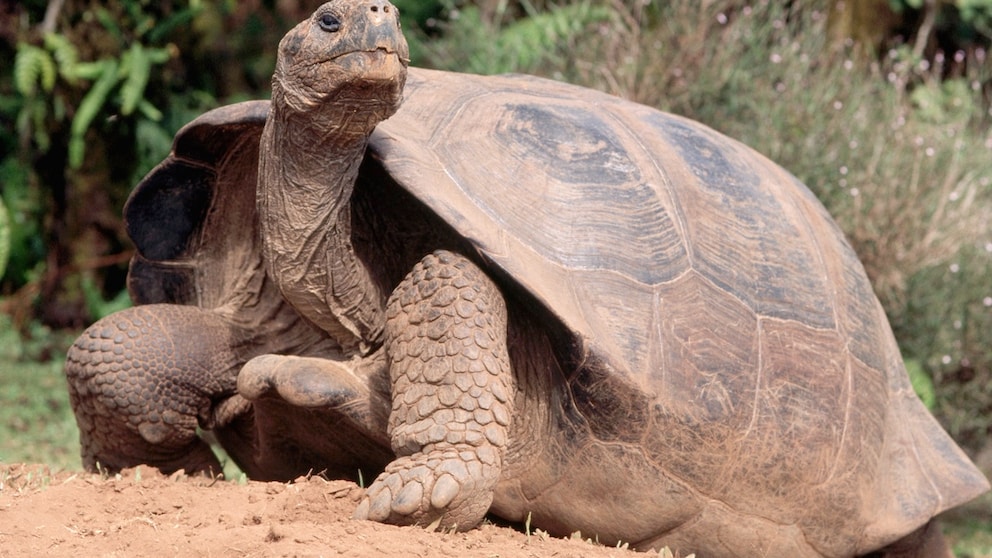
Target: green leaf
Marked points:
88	70
25	69
543	37
77	149
158	55
48	73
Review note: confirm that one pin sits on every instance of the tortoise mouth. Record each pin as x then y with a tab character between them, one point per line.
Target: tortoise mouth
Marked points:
378	64
372	54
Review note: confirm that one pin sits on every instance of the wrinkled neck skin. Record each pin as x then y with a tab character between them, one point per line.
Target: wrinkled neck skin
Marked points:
310	157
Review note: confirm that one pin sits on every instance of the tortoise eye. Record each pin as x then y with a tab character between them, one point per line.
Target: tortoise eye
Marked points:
329	23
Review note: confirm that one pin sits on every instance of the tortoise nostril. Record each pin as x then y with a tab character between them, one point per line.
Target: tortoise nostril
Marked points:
375	8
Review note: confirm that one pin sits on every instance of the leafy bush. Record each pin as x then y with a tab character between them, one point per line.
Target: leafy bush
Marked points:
90	103
897	147
25	244
114	84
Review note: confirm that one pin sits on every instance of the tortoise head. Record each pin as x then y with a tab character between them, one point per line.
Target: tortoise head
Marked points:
348	55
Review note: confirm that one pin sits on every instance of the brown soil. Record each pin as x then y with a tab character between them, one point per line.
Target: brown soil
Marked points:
143	513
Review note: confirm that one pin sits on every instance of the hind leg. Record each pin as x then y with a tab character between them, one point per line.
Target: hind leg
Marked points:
445	342
142	380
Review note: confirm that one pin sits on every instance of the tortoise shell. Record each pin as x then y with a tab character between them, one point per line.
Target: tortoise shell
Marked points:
721	333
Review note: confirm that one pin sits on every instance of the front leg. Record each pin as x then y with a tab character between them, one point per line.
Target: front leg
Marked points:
452	400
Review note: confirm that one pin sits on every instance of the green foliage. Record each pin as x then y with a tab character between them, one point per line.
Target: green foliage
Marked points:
975	12
948	101
82	119
34	70
542	40
970	537
88	108
127	75
25	242
962	20
922	383
65	55
546	37
946	323
33	66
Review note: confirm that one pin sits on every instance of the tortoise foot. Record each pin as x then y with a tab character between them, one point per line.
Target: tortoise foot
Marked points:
453	487
301	381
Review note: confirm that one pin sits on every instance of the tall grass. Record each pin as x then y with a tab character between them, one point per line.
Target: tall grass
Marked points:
897	148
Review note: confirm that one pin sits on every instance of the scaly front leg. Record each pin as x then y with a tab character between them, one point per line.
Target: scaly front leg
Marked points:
452	392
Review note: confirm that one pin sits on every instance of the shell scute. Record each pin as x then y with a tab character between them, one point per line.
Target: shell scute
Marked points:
743	228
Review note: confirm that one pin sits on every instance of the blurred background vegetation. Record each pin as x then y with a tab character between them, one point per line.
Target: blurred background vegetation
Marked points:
882	107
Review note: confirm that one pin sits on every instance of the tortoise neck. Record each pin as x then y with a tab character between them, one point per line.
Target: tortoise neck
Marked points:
306	178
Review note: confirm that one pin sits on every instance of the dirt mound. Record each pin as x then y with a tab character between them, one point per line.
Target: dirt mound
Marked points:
144	513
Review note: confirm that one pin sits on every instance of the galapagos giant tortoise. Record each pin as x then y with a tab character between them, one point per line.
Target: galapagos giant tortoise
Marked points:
513	296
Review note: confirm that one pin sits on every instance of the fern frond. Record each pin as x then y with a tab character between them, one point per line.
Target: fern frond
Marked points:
33	66
88	108
48	73
39	111
65	54
137	66
26	69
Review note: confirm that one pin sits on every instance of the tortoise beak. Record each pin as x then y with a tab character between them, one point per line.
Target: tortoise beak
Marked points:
385	29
